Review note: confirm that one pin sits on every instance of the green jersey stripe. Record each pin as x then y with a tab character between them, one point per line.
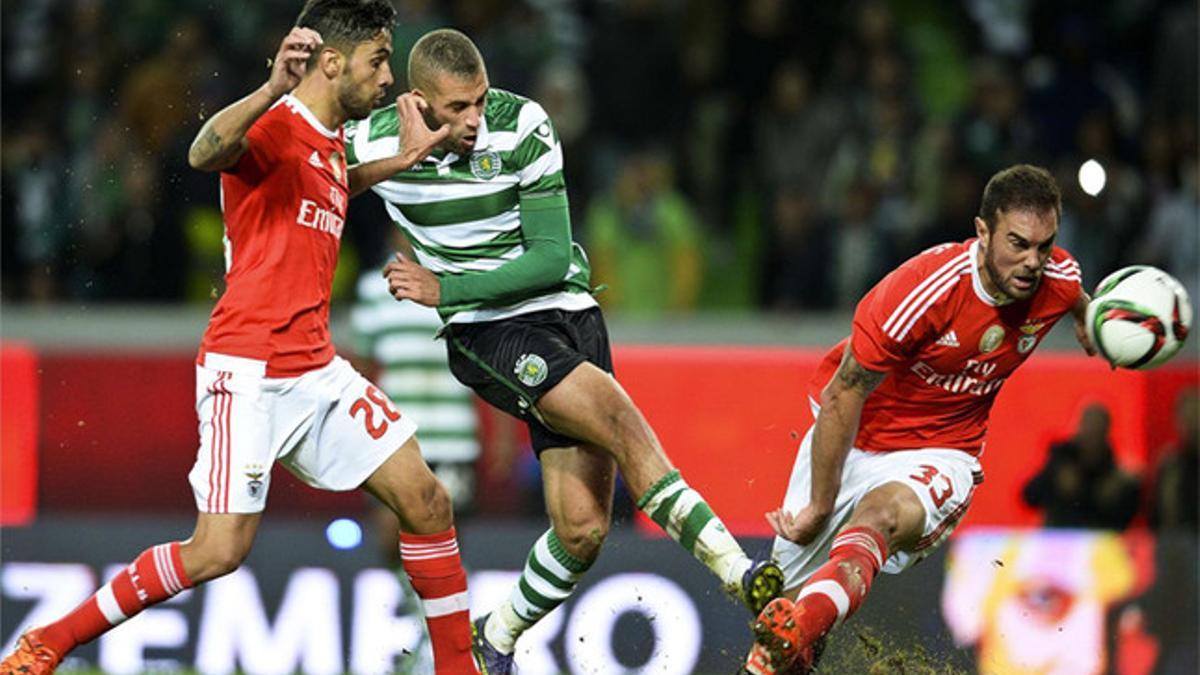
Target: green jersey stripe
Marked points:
527	151
455	211
495	248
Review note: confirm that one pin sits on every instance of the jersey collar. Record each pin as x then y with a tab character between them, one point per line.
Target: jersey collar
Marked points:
298	107
482	139
977	281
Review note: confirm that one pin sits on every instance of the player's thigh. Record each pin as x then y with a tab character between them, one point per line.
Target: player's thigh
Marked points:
942	482
591	405
578	482
894	510
405	484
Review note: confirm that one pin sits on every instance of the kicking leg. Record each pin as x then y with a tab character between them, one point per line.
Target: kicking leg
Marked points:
429	552
888	518
217	547
590	404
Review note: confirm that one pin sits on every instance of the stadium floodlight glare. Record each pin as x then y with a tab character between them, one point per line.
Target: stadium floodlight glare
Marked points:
1092	177
344	534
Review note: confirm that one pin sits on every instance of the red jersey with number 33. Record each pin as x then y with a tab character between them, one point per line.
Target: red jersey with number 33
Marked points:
946	347
285	206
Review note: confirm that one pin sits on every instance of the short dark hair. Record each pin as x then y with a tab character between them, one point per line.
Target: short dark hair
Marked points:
1020	187
444	50
345	23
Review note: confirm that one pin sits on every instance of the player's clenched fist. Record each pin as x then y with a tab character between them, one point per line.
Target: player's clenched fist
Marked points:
290	63
409	281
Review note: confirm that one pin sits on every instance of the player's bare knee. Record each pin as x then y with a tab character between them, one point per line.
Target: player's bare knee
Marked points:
583	538
882	515
438	505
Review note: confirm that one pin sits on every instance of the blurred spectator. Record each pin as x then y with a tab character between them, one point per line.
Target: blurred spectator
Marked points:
863	249
1041	601
881	113
797	261
1172	239
645	241
796	134
1175	500
1081	485
155	100
994	131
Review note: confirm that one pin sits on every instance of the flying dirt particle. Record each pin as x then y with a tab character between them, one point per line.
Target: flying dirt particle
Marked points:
997	563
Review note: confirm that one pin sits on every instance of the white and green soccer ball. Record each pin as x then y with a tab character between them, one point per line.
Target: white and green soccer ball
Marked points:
1139	317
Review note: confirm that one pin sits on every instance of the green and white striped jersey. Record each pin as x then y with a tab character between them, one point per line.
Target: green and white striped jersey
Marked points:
462	214
413	370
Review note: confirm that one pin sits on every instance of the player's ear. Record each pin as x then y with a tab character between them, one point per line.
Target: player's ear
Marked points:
330	61
981	229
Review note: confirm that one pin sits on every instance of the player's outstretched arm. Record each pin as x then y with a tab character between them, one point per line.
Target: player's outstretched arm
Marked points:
1079	315
837	424
222	139
417	140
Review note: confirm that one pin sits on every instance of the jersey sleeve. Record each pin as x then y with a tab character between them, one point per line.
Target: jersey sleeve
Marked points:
264	146
537	158
1064	275
893	320
376	137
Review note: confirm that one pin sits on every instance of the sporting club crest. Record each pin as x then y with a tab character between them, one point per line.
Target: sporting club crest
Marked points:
485	165
531	370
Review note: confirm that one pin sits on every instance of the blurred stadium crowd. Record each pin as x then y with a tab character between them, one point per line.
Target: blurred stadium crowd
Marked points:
758	154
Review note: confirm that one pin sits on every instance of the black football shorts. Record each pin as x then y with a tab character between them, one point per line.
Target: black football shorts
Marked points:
512	362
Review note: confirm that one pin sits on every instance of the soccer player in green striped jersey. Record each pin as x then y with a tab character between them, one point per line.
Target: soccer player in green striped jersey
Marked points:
486	215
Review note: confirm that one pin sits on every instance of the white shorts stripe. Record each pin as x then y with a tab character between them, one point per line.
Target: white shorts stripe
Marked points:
901	309
932	296
451	604
832	590
108	605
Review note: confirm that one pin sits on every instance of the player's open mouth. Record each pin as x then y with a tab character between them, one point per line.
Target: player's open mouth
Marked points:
1024	282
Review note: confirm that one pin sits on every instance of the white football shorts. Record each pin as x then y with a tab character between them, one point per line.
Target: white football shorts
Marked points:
330	427
943	480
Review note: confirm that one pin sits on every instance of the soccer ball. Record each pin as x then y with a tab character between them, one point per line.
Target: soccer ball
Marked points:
1139	317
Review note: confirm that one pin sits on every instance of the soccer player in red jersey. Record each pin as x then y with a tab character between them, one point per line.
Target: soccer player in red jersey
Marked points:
269	385
901	408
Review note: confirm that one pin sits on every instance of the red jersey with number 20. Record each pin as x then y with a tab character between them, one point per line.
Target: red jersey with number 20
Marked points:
285	206
946	347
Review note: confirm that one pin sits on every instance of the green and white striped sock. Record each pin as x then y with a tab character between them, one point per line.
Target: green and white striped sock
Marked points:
686	517
549	578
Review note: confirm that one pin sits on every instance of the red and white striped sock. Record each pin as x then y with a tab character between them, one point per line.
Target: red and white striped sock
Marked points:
436	572
156	575
838	588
